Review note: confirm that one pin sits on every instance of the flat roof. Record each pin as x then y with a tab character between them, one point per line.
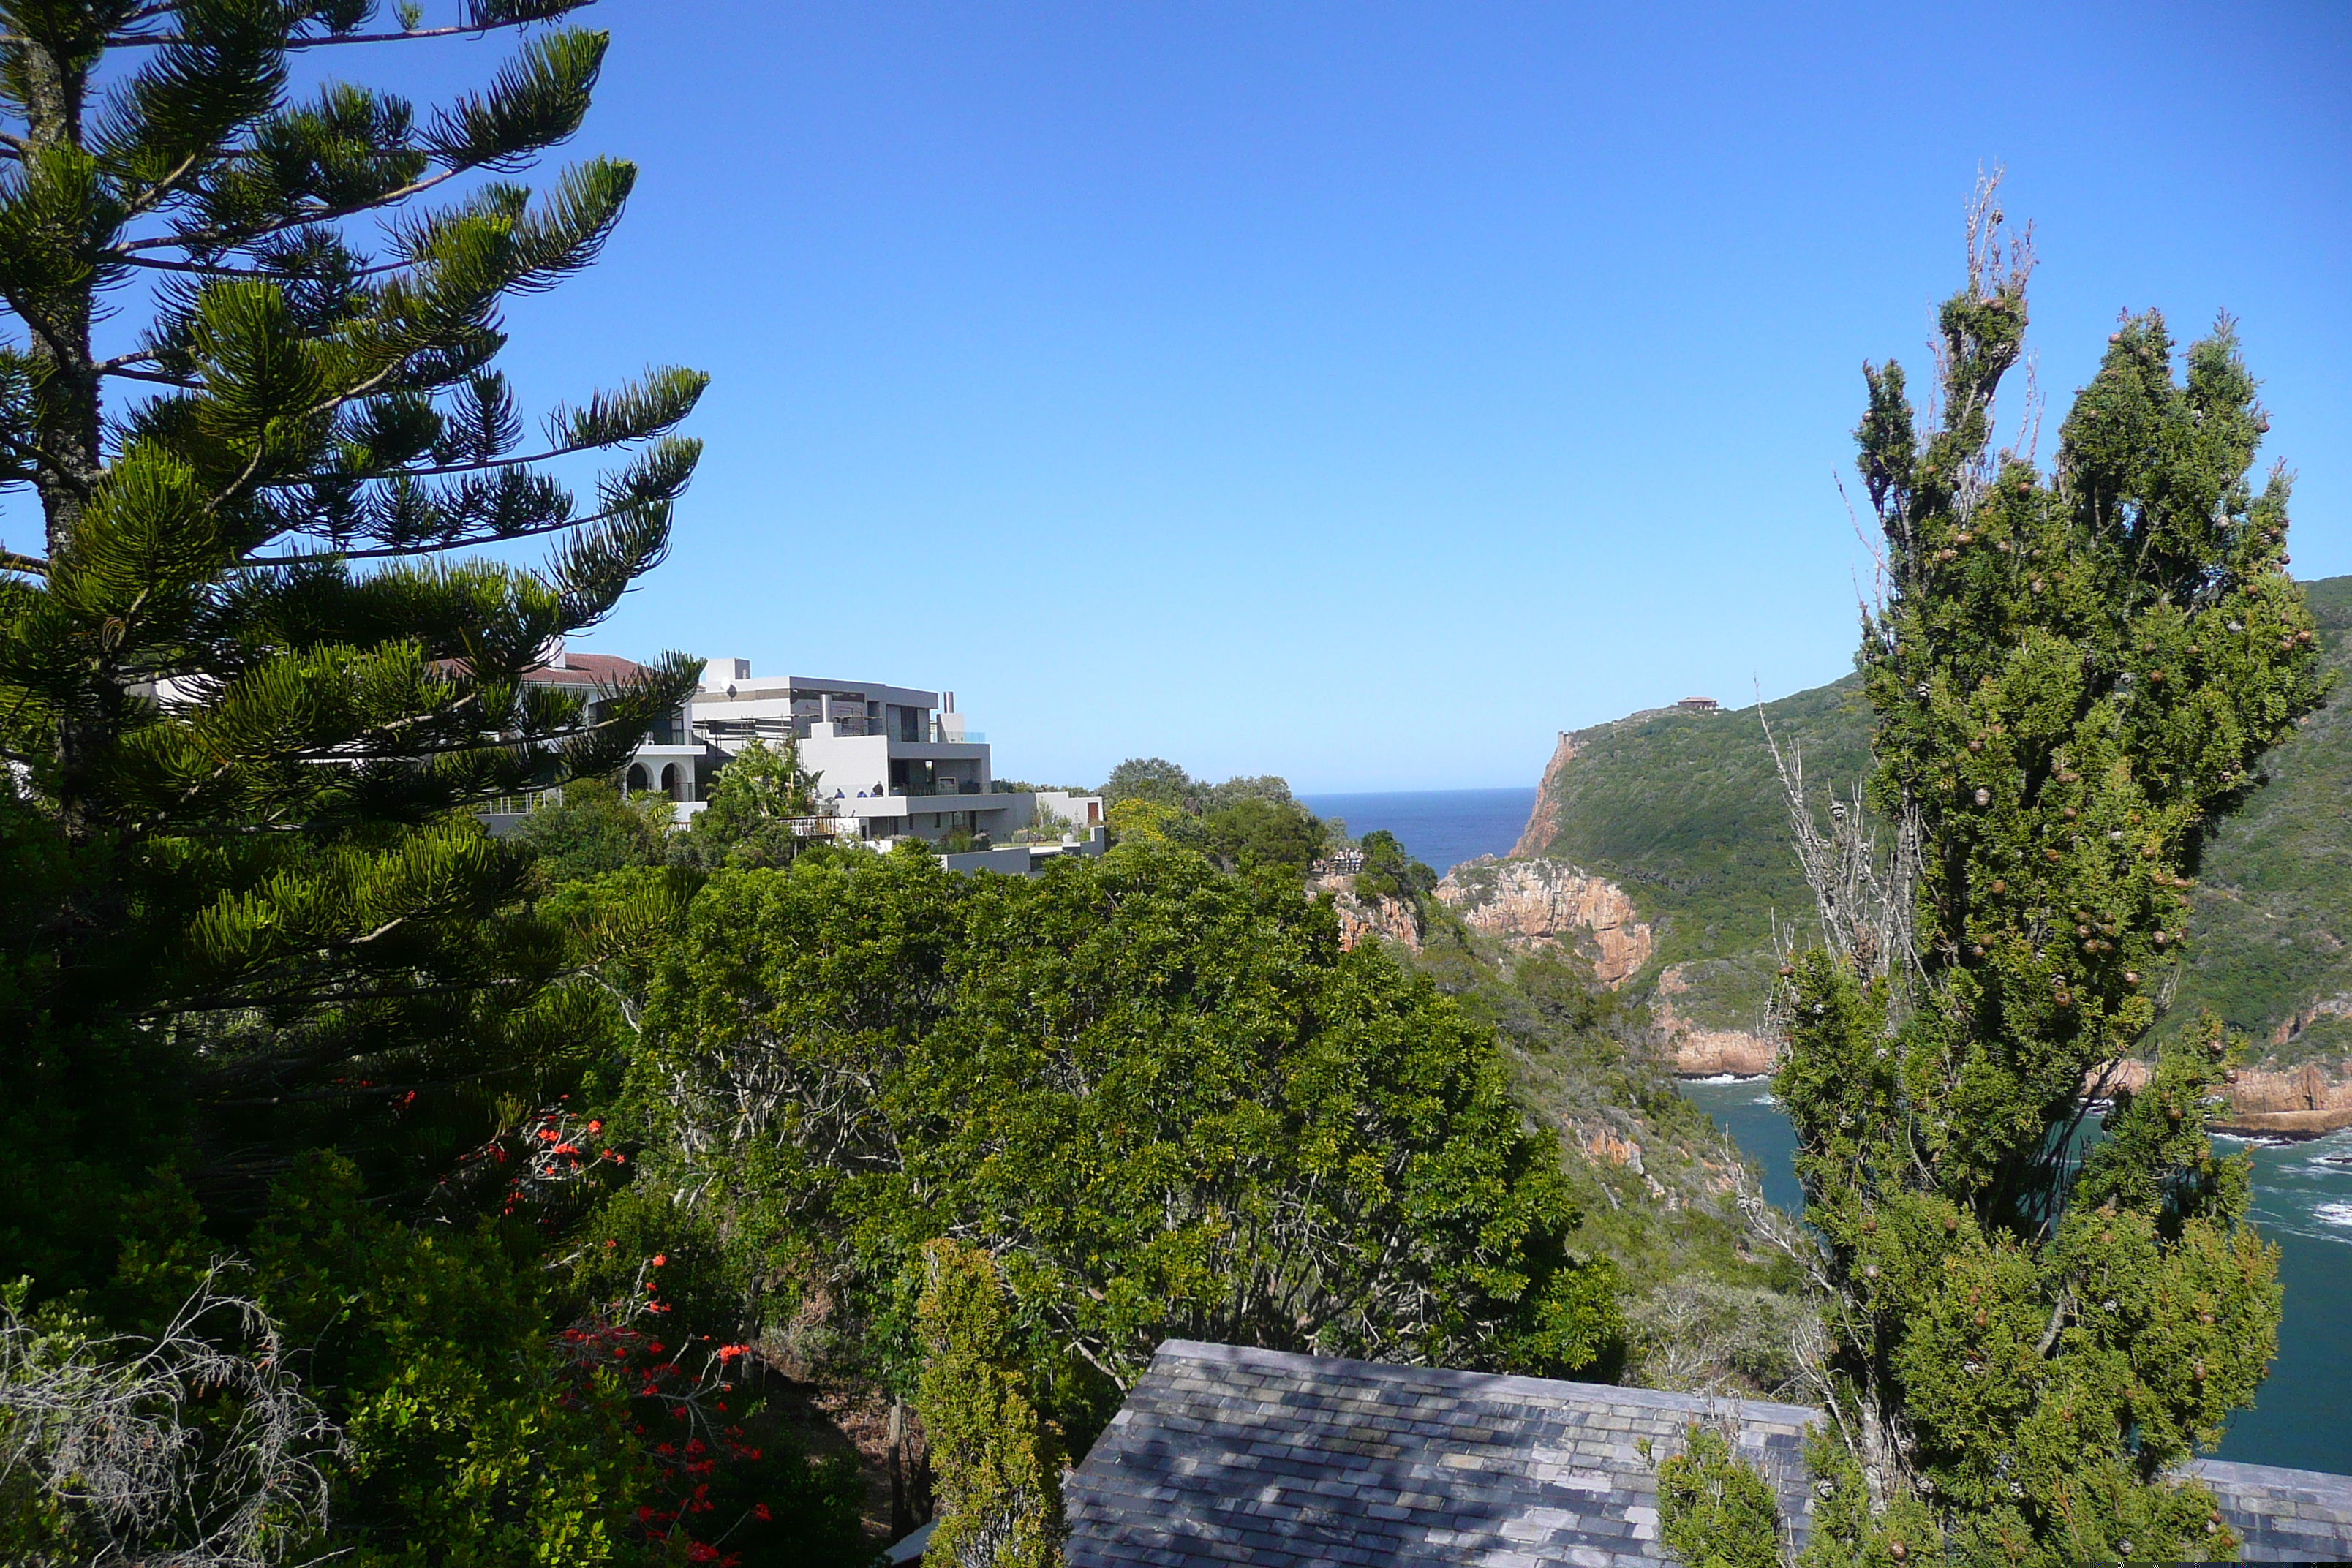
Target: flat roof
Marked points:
872	690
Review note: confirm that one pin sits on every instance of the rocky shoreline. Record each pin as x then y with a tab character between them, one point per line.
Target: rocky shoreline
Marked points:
2306	1102
1537	902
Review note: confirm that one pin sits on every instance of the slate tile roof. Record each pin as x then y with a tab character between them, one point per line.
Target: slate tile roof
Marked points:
1229	1455
2282	1515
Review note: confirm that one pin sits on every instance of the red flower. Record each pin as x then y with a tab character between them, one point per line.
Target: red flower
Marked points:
759	1511
661	1260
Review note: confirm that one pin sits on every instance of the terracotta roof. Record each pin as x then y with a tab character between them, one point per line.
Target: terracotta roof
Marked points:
1229	1455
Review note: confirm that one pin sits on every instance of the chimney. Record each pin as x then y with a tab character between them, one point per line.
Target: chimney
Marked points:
947	701
551	653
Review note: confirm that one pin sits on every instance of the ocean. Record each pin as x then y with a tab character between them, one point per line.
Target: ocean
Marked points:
1441	827
2302	1201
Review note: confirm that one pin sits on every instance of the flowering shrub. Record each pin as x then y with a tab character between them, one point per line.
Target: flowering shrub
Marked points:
470	1439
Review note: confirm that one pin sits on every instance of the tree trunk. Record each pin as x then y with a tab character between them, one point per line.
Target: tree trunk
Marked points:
68	461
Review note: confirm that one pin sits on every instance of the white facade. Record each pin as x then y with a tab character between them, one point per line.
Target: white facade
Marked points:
894	761
891	761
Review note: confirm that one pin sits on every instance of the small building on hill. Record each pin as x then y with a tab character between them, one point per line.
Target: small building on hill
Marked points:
1699	705
1225	1455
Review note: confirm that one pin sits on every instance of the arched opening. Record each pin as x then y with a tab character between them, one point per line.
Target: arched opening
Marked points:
677	783
635	780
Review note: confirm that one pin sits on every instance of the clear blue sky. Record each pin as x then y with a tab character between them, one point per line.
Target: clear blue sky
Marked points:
1365	392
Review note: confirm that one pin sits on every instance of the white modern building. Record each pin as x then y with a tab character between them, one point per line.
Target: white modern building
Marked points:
891	761
894	759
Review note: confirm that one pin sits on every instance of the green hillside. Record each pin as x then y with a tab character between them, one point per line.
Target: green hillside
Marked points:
1683	811
2274	908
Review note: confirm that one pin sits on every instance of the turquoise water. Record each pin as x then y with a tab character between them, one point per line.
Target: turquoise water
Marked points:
2302	1201
1442	827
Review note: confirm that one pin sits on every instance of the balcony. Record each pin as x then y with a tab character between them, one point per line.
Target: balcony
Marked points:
948	787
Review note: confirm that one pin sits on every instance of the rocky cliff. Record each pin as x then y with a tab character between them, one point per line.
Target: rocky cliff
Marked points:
1537	902
1700	1051
2300	1101
1363	920
1529	901
1543	821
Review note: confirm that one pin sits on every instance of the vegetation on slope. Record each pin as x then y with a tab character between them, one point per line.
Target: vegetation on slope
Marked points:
1685	813
2272	931
1659	1186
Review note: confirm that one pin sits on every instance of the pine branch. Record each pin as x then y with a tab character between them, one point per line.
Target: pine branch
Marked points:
481	25
220	238
263	273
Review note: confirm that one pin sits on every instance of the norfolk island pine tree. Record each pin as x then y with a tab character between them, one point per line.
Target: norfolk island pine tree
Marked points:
251	681
2074	674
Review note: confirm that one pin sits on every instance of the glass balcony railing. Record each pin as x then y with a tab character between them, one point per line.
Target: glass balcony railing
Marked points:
949	787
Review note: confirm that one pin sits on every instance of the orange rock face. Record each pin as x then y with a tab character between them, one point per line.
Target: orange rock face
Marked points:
1543	821
1530	901
2287	1102
1710	1052
1360	919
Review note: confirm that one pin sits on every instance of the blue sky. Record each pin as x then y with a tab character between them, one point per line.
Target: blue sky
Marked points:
1365	392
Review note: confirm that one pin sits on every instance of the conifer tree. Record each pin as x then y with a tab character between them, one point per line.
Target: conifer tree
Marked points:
2075	673
997	1477
250	679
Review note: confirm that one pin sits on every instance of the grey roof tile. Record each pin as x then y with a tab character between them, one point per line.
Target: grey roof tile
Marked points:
1229	1455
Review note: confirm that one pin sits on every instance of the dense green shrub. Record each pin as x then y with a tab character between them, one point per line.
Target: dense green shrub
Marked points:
1714	1511
1256	831
999	1477
1390	872
1160	1095
595	829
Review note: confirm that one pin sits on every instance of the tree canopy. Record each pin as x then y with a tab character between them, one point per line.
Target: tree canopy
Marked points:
286	1044
2074	673
1160	1095
251	681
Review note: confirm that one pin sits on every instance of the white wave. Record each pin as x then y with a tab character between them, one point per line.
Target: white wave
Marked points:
1763	1099
2334	1213
1731	1077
